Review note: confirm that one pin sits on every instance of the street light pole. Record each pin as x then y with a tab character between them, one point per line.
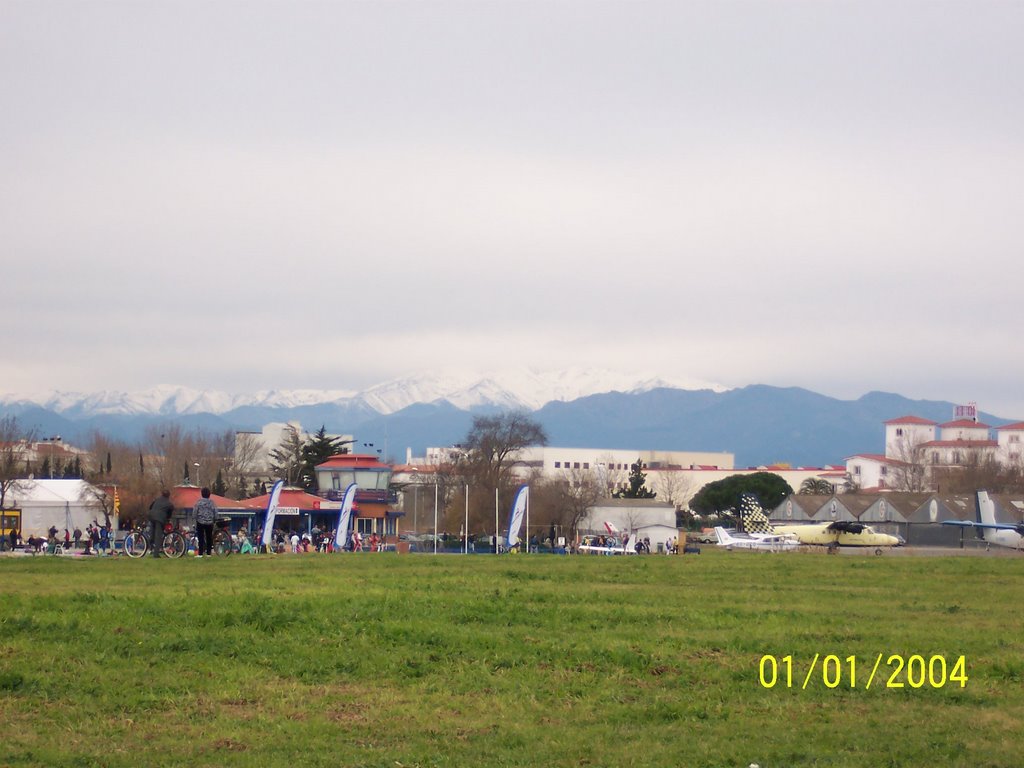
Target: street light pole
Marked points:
196	465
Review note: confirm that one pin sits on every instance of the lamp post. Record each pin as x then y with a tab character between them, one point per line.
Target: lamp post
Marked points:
415	502
196	465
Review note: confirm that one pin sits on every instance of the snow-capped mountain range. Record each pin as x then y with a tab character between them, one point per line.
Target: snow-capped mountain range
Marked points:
526	389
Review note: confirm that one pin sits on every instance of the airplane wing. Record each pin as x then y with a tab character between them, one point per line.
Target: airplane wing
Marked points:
999	526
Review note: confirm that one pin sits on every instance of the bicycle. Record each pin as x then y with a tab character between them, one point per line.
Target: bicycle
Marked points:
137	543
223	542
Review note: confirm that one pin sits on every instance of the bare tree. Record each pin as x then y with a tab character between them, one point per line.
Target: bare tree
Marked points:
909	471
14	443
286	461
673	486
577	491
491	446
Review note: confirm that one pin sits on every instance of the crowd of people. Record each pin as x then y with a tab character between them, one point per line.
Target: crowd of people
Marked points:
96	540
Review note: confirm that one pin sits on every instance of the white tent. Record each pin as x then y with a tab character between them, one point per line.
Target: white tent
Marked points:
61	503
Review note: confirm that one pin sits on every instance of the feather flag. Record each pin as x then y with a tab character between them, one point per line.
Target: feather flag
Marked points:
515	517
268	523
344	515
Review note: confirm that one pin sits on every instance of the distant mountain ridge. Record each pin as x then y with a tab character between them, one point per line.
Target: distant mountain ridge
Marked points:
759	424
524	389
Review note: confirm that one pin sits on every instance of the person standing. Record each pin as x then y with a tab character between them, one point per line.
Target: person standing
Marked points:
160	512
206	516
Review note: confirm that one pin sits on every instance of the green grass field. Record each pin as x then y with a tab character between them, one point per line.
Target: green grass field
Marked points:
387	660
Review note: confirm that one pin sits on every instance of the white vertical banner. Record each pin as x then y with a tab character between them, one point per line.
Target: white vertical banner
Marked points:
435	518
465	533
268	521
344	515
515	516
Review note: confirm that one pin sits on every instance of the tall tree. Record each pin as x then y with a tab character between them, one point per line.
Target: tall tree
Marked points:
13	443
316	450
723	496
219	487
491	445
637	488
286	460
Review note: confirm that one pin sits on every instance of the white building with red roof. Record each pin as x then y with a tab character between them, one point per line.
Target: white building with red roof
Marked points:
1010	443
918	449
875	472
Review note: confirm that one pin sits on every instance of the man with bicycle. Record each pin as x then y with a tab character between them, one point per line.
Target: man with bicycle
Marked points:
160	512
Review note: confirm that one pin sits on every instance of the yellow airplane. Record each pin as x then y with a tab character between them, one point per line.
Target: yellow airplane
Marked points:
833	535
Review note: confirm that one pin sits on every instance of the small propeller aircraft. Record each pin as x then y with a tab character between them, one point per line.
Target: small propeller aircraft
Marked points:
1001	534
839	533
761	543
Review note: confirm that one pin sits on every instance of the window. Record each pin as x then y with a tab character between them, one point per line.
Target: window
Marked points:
558	465
335	481
899	431
935	457
1014	438
586	465
575	465
883	471
856	470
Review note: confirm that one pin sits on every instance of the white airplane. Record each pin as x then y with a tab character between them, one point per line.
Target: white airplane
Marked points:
1001	534
761	543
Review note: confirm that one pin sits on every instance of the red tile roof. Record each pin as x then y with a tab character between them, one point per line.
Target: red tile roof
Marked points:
911	420
876	457
353	461
188	495
1016	426
290	497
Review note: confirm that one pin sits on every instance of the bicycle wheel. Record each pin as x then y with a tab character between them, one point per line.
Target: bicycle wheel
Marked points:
174	544
135	544
222	543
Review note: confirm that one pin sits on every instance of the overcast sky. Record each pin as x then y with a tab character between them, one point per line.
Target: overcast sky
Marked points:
246	195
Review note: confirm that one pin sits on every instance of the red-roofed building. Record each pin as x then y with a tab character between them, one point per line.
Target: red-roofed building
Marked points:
184	498
926	450
1010	438
375	501
296	510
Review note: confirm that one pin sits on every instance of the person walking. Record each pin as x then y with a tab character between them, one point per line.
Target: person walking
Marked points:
206	516
160	511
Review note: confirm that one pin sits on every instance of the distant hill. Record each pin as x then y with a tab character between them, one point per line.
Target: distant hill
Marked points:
758	424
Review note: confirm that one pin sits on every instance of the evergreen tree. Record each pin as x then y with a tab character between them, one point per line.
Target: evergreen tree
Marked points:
318	449
186	480
219	487
637	484
78	467
44	468
108	463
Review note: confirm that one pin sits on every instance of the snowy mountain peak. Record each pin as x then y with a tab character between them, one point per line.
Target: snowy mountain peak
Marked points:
523	388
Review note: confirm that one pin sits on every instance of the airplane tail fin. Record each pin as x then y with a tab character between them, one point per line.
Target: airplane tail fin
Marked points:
985	510
752	515
723	536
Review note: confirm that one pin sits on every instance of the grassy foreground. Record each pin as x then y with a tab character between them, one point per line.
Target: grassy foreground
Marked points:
388	660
